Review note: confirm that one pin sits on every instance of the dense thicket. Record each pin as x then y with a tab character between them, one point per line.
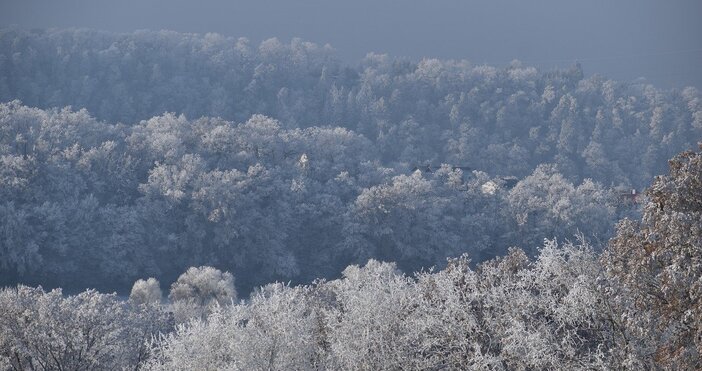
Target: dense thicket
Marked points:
509	314
86	203
42	330
635	307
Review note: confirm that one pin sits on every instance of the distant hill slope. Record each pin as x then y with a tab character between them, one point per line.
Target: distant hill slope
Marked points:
507	120
278	162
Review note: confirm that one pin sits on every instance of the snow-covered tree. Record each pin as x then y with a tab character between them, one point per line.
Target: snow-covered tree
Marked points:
655	267
199	290
47	331
146	292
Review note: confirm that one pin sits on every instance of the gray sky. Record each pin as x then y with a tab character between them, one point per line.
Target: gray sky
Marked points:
623	39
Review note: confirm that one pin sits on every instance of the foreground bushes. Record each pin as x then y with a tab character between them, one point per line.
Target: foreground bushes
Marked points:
508	314
559	311
42	330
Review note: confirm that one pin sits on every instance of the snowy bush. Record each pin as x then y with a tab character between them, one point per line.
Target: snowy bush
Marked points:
199	290
146	292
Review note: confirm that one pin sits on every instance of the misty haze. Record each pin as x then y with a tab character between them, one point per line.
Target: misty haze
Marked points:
369	185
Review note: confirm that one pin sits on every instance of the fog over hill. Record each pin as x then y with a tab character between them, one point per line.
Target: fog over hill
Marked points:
621	40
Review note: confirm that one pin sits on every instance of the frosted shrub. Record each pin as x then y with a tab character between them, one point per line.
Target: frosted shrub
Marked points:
90	331
199	290
278	329
146	292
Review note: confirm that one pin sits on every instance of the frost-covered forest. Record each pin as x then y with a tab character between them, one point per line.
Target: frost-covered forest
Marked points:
216	167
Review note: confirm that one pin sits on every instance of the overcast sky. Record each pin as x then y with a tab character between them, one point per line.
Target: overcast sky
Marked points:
660	40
